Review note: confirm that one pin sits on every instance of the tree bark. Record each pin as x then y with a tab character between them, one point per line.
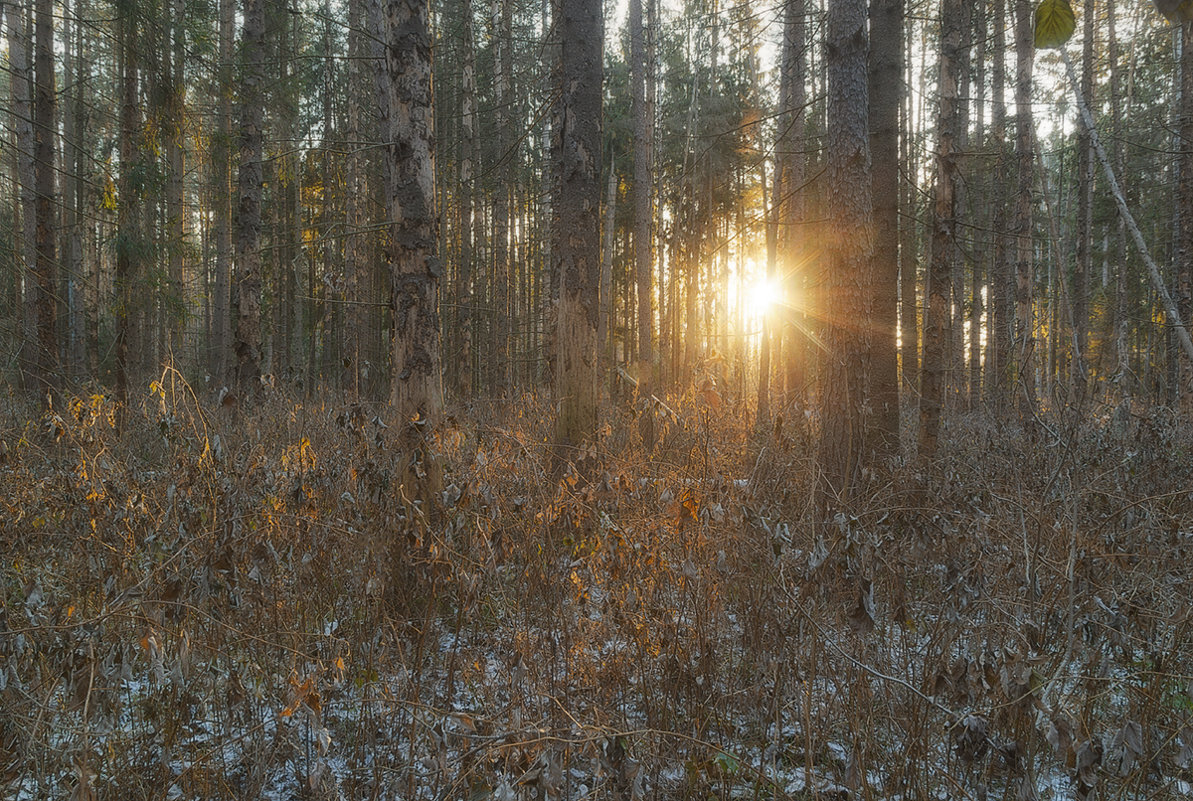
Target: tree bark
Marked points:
643	113
416	390
45	127
790	191
998	366
1085	218
846	281
468	147
762	420
501	372
937	326
577	145
72	210
175	301
1122	371
128	245
25	202
981	213
909	323
247	345
886	92
605	321
1024	265
1184	274
221	323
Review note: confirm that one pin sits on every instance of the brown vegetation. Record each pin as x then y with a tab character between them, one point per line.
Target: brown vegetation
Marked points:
287	604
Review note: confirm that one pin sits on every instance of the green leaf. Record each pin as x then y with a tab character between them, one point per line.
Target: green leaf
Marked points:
1055	23
1175	10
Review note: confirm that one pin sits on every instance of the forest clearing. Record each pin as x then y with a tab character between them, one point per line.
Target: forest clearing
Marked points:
662	399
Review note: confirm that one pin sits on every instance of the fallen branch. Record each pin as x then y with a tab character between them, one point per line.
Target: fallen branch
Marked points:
1182	333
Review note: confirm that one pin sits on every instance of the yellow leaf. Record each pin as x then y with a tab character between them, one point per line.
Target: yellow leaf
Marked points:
1055	23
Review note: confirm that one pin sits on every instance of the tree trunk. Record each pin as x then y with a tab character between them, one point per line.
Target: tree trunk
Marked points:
25	205
886	91
501	373
128	245
1024	273
354	244
1085	218
45	127
909	324
468	146
762	420
1122	371
604	323
998	366
175	301
849	252
978	262
577	145
944	232
221	323
955	371
415	269
72	166
1184	274
247	346
643	113
790	190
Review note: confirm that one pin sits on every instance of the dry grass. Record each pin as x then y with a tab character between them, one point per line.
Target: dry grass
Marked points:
303	601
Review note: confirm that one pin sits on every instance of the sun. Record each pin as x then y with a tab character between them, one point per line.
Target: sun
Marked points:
762	296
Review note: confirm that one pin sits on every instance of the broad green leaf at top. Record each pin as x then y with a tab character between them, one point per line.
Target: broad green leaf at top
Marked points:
1055	23
1175	10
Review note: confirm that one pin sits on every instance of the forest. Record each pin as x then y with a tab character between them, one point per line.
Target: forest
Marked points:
653	399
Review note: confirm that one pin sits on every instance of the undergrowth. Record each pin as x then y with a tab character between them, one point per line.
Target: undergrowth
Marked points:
312	601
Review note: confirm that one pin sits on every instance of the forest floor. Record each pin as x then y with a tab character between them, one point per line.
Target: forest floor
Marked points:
294	601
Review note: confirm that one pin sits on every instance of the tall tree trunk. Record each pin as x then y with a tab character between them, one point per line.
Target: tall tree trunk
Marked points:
501	373
998	366
605	322
1085	217
944	231
762	420
846	280
415	269
354	240
45	127
71	244
221	323
128	247
577	146
247	346
176	303
955	381
330	308
1122	371
1024	278
1184	274
978	262
790	190
468	147
886	92
144	347
909	324
25	202
643	113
